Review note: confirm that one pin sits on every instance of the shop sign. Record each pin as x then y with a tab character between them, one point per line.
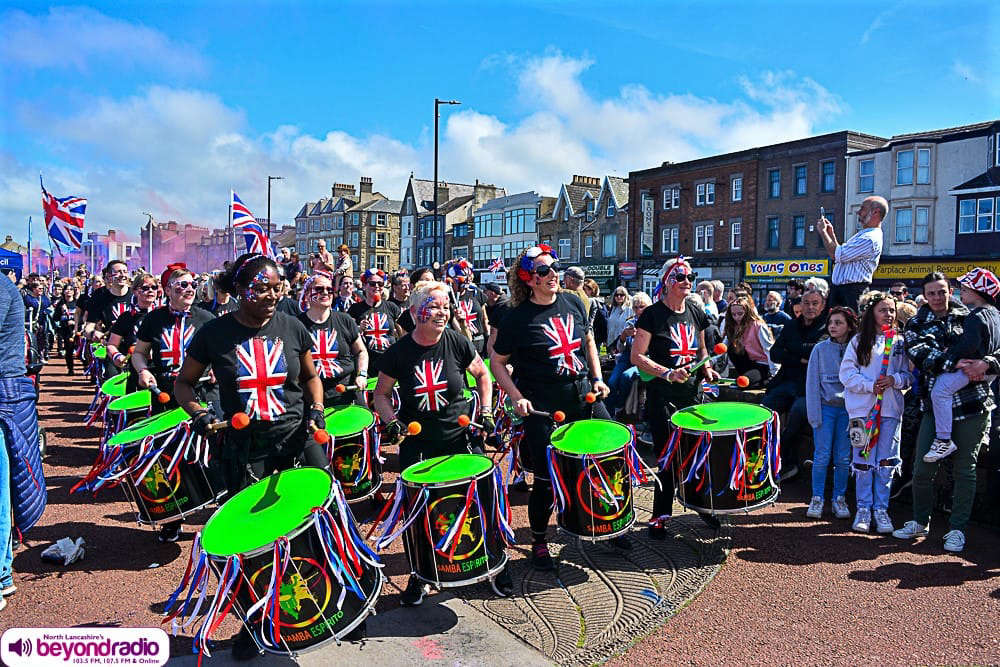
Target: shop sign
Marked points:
787	268
917	270
627	270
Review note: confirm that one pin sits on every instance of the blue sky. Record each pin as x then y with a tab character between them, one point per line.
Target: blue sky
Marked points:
164	106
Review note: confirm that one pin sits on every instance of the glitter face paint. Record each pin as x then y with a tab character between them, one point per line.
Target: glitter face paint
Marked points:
263	277
424	311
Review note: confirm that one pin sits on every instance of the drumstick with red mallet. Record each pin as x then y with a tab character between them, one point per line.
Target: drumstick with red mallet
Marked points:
241	420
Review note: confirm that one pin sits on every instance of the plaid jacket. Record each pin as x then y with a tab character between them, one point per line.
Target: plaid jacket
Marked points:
927	340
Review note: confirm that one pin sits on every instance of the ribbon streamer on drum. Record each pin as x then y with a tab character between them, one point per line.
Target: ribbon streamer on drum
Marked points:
502	507
637	468
389	530
225	596
560	492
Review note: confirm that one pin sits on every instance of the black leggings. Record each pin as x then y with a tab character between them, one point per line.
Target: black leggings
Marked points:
69	350
240	468
537	431
658	410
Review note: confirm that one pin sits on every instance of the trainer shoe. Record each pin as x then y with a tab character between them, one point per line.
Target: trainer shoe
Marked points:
9	589
815	510
644	435
862	520
540	557
883	523
502	583
910	530
939	450
414	594
171	532
954	541
840	508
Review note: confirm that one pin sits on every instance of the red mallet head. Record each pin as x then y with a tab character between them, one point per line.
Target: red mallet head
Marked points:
590	397
463	420
720	348
340	388
558	416
131	349
413	428
321	436
240	421
742	381
163	397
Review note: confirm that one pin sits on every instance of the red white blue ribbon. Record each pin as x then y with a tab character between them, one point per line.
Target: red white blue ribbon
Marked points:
502	506
560	492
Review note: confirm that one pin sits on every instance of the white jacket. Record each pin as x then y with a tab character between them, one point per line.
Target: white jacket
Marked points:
859	382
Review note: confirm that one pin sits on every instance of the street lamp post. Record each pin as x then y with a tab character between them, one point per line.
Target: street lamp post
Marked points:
150	221
269	179
437	115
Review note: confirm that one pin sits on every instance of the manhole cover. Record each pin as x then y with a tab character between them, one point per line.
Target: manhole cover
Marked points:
600	599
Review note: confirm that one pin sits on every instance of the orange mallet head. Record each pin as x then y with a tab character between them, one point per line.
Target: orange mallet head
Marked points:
463	420
163	397
558	416
590	397
742	381
240	421
340	388
720	348
413	428
131	349
321	436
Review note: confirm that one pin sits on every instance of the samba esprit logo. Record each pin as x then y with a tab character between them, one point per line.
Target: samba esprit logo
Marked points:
94	646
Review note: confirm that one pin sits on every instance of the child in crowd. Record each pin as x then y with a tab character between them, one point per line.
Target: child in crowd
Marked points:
827	414
862	374
980	336
749	340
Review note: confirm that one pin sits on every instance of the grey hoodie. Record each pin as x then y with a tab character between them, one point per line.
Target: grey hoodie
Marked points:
823	385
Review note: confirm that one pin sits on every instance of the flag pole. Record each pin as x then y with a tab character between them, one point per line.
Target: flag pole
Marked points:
29	244
229	224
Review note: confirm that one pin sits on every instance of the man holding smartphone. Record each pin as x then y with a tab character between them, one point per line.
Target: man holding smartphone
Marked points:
856	260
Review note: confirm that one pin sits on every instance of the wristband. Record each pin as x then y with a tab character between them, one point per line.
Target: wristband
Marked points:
117	356
593	380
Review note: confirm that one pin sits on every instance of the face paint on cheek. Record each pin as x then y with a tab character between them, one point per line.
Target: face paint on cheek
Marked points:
424	311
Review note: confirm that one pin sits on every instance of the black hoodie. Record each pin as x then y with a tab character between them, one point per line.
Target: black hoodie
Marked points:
793	347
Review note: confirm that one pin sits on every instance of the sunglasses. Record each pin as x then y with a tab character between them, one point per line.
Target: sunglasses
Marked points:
688	277
896	293
184	284
323	290
545	269
148	288
375	285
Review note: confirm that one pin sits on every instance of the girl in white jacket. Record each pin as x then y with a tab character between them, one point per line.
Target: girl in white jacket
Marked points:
863	378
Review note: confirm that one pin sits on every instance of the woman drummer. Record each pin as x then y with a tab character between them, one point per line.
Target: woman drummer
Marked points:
161	344
545	337
670	335
337	350
430	364
125	329
261	359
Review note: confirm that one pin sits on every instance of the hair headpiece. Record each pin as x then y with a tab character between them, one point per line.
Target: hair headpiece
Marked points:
983	281
528	261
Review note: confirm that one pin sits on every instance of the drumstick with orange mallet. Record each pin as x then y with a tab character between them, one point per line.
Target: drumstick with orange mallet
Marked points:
241	420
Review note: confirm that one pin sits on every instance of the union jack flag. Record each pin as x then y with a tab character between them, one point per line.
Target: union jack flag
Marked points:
174	342
470	316
431	385
684	342
377	331
261	377
325	352
253	234
564	346
64	217
497	265
118	309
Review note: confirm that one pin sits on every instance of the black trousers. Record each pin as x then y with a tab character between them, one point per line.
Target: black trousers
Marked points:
659	408
847	295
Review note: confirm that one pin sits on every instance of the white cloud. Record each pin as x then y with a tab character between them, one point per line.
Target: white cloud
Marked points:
70	37
177	152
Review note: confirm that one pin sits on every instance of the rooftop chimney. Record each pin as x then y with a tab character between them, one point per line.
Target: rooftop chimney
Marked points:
586	181
366	189
442	192
484	192
343	190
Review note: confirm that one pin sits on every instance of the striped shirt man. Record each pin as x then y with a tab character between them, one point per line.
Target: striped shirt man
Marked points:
856	260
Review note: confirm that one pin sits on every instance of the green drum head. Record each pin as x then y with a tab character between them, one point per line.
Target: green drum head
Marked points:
100	352
345	420
154	425
471	381
591	436
115	386
720	417
445	469
272	508
137	400
372	382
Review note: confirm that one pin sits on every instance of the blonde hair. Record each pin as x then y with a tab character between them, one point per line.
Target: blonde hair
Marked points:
736	330
423	289
641	297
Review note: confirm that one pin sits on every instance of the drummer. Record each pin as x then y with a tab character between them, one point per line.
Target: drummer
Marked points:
545	337
669	335
469	313
337	349
430	364
108	303
124	330
376	316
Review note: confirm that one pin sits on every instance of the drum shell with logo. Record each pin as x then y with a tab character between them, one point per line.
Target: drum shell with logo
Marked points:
714	495
480	552
160	499
315	619
347	425
597	446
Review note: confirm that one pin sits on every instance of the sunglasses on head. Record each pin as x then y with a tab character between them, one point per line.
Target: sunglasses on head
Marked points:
543	270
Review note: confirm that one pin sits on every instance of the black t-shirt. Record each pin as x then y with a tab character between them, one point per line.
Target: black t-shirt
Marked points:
378	326
127	326
497	312
257	370
288	306
169	335
545	343
65	314
331	350
431	382
673	341
470	310
220	309
104	307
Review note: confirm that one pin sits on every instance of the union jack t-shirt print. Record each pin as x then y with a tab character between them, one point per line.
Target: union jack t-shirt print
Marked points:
260	377
174	342
683	343
325	352
377	330
565	344
432	385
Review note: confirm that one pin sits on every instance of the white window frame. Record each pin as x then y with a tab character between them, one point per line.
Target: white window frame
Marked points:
709	237
565	246
588	245
770	190
991	215
912	167
671	198
736	188
670	239
355	239
735	235
794	231
383	260
381	219
611	210
925	225
916	167
861	164
699	239
381	239
896	228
